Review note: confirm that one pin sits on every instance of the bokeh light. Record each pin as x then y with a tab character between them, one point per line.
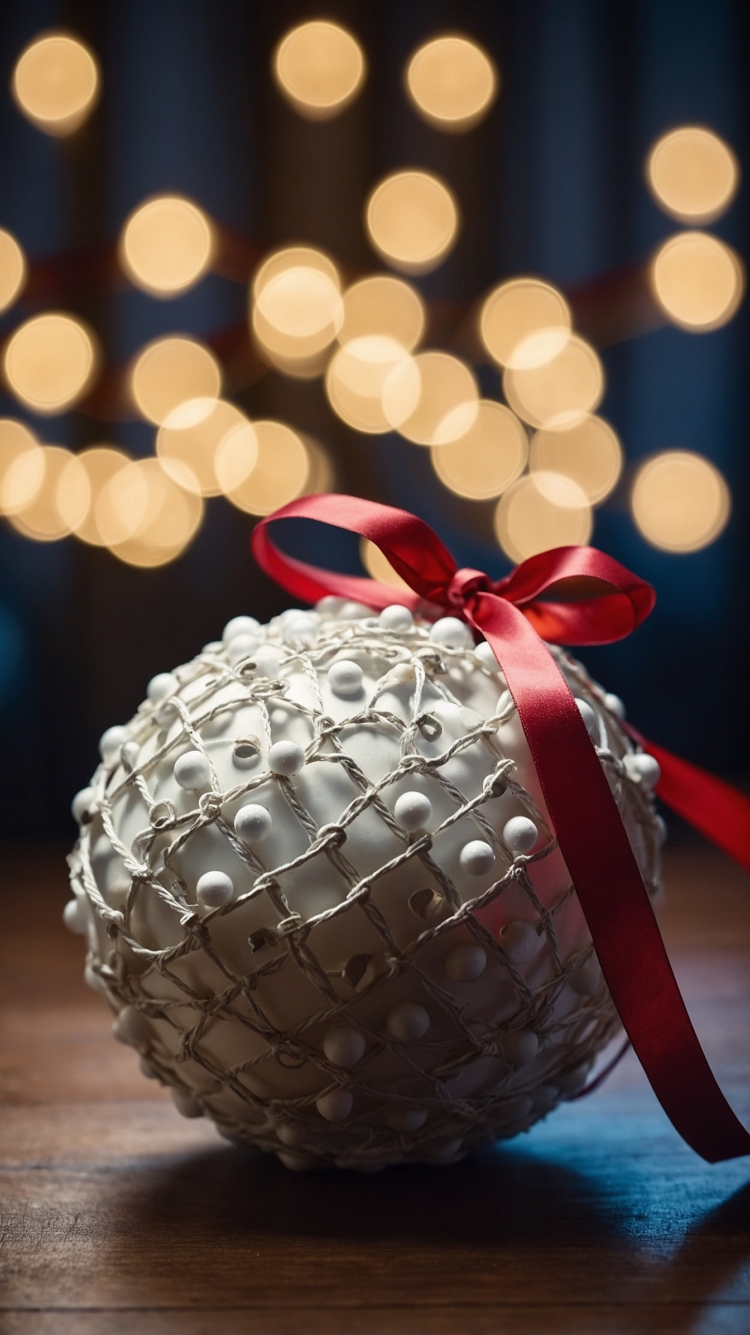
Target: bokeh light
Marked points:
452	82
356	379
680	501
693	174
698	281
559	392
524	323
169	371
378	566
540	511
17	441
431	399
383	305
588	452
412	220
56	82
41	516
297	308
50	361
152	519
83	497
320	68
321	474
485	459
12	269
277	474
191	436
166	245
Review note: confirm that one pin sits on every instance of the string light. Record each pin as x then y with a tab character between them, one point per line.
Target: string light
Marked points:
589	453
12	269
378	566
356	378
41	517
412	220
157	517
169	371
422	394
540	511
297	309
680	501
56	83
524	323
693	174
561	391
50	361
383	305
452	82
320	68
487	458
16	441
166	245
698	281
82	496
278	473
191	436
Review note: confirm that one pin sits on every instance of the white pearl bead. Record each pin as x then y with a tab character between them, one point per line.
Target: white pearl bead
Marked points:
301	629
81	803
521	1047
148	1070
350	611
74	917
291	1133
395	617
267	661
521	941
132	1027
412	810
486	657
240	626
186	1105
192	771
589	718
345	678
253	823
160	686
214	888
344	1046
110	743
448	1151
407	1021
614	704
646	767
477	857
286	758
466	962
452	633
335	1106
520	834
407	1119
241	647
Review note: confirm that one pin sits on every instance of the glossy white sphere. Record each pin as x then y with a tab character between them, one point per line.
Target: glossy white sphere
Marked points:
477	857
192	771
286	758
395	617
161	686
451	632
240	626
520	834
253	823
214	889
413	810
345	678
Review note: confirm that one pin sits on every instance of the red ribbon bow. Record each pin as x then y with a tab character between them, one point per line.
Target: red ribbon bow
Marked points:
599	601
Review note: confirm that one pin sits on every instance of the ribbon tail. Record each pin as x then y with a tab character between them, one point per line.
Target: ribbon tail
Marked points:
709	804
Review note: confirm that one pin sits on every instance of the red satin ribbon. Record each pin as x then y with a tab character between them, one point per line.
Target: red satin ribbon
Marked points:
594	600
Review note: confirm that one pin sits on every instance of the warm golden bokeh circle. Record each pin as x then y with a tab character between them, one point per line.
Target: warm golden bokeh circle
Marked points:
169	371
559	392
680	501
56	82
412	220
431	399
356	378
89	472
152	518
16	441
588	452
12	269
698	280
296	308
166	245
50	361
693	174
383	305
524	323
41	517
192	435
320	68
452	82
279	472
540	511
486	458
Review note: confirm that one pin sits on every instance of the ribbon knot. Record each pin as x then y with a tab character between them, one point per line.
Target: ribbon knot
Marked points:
571	595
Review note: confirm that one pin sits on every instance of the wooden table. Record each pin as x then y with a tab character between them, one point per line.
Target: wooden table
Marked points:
120	1217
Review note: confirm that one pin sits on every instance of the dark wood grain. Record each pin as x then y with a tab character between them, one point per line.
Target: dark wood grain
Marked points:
118	1216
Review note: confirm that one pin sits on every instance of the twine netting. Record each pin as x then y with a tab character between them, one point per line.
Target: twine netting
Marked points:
247	1009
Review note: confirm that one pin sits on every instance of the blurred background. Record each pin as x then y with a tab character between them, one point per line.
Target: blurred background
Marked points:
480	260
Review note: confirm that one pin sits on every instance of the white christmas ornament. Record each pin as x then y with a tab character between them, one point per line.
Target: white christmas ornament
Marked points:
321	894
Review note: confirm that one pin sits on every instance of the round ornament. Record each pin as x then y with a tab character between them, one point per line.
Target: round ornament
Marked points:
322	897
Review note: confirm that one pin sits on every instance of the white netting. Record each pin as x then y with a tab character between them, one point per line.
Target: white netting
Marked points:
366	994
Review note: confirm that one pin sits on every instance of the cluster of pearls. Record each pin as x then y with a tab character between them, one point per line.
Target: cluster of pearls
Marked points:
325	840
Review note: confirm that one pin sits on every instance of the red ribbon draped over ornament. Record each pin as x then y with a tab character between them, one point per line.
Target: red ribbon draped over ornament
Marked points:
588	598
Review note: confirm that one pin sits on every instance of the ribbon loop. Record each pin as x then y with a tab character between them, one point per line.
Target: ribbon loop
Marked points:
464	584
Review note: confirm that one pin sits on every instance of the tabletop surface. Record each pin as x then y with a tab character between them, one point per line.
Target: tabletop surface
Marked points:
119	1216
